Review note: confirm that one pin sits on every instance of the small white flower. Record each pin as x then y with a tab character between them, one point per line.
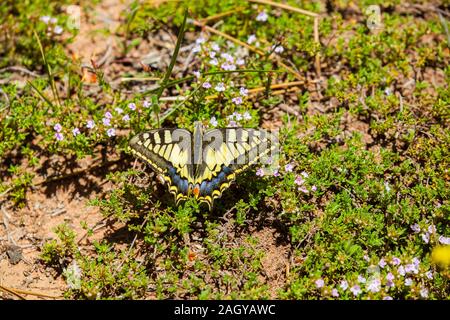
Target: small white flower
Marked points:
444	240
424	292
262	16
213	62
126	118
206	85
432	229
251	39
401	270
196	73
374	285
356	290
45	19
429	274
425	237
119	110
319	283
200	40
387	298
228	57
361	279
58	30
240	62
212	54
215	47
146	104
243	91
335	293
132	106
90	124
111	132
213	122
247	115
416	228
408	282
75	132
277	48
220	87
343	285
73	276
53	20
196	49
382	263
289	167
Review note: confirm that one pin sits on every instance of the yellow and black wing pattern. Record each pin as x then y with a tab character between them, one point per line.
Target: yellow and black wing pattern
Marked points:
202	164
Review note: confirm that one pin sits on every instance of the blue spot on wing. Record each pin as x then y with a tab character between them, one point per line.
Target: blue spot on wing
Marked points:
181	184
207	187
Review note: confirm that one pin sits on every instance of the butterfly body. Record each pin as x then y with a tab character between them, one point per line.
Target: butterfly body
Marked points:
202	164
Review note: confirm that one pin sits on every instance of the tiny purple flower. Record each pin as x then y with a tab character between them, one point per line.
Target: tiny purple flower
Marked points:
361	279
215	47
118	110
213	122
228	67
237	101
228	57
75	132
416	228
289	167
395	261
335	293
416	262
304	174
59	136
146	104
57	127
262	16
444	240
432	229
106	121
220	87
313	188
206	85
53	20
374	285
424	293
260	172
299	181
45	19
387	91
240	62
132	106
213	62
212	54
356	290
277	49
276	173
237	115
303	189
425	237
247	115
126	118
111	132
251	38
390	277
382	263
429	274
343	285
243	91
196	49
319	283
200	40
90	124
408	282
196	74
108	115
58	30
401	270
232	124
387	298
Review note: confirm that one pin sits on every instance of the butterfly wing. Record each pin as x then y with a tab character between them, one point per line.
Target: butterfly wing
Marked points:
168	152
226	153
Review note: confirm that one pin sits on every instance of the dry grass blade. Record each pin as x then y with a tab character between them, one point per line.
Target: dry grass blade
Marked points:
18	292
286	7
221	15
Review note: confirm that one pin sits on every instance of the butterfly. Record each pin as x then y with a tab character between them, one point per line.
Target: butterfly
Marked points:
204	163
